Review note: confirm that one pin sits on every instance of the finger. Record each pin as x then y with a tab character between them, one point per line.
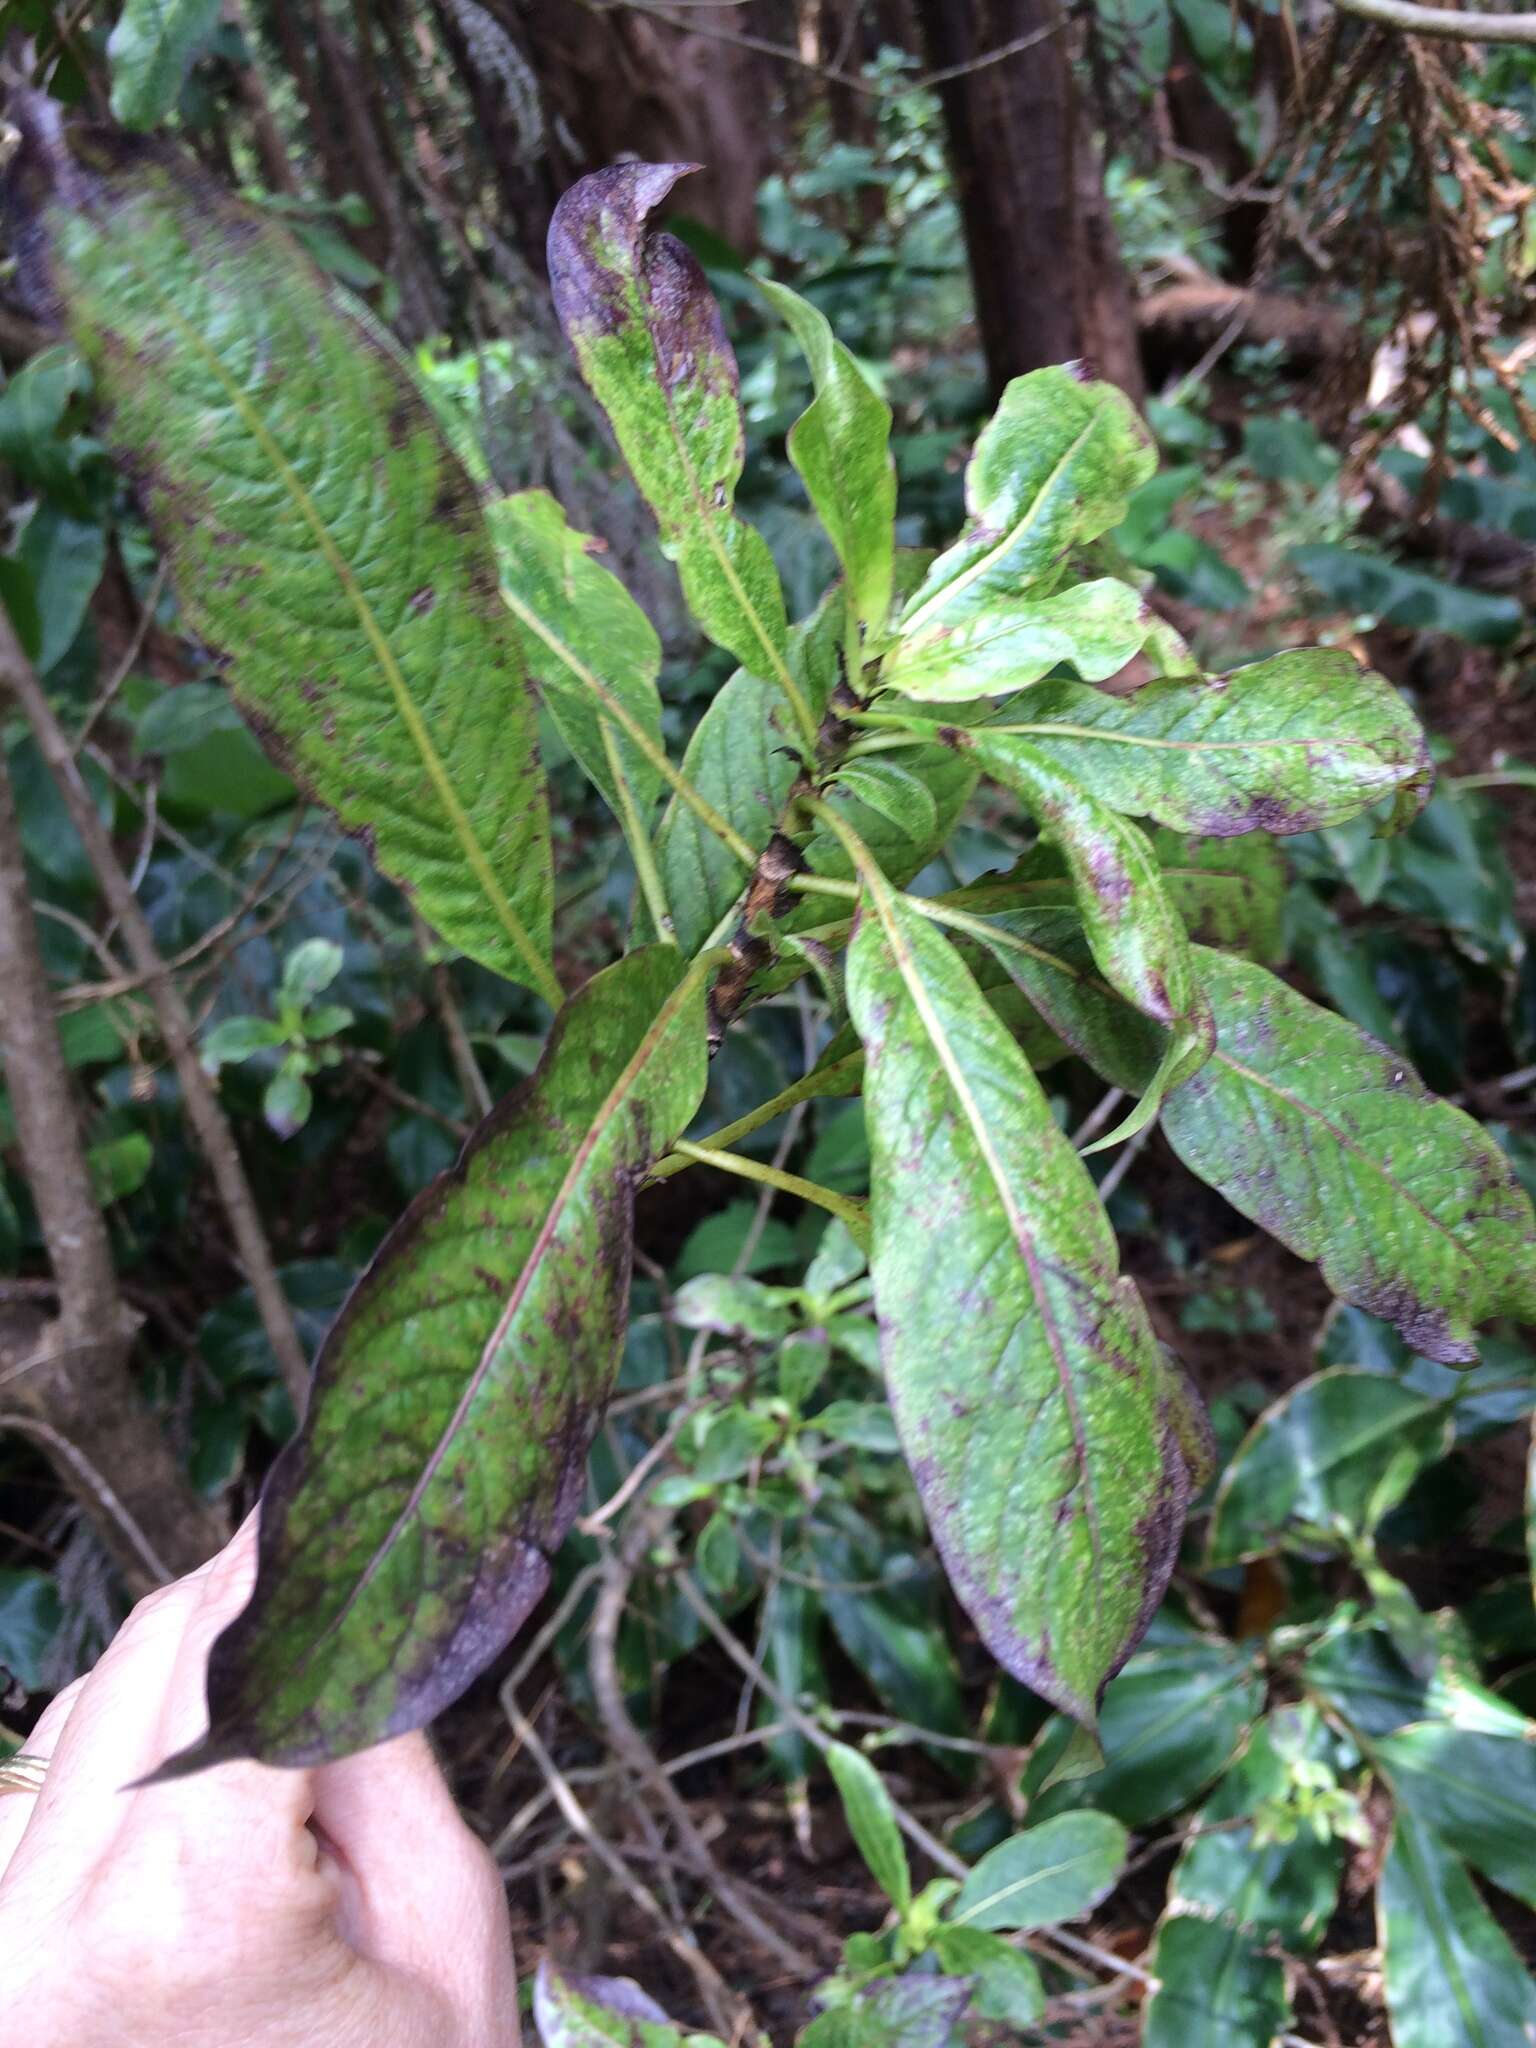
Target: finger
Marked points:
17	1806
419	1891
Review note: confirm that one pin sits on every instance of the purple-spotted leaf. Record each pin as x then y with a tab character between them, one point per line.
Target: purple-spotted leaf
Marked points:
1319	1133
572	2011
407	1532
1014	640
1291	744
1054	467
1034	1405
1136	935
326	544
588	645
648	338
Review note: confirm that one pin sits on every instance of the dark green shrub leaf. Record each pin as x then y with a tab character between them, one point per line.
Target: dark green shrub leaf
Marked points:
1008	1986
1360	580
1291	744
1476	1791
841	446
1325	1464
322	537
1031	1396
584	639
1238	1895
151	51
1169	1724
407	1532
648	337
1452	1978
30	1614
872	1822
1050	1873
894	2012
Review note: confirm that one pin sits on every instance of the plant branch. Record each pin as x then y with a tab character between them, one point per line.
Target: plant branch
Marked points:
69	1377
18	678
849	1212
1415	20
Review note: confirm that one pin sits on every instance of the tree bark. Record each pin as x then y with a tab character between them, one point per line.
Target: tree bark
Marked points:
1045	268
626	83
65	1382
19	680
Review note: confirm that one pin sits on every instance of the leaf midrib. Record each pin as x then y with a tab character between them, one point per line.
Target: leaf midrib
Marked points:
541	977
1011	538
938	1038
596	1129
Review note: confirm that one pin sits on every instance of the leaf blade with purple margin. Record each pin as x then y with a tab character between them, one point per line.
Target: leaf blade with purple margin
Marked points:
1136	935
1057	1503
648	338
1318	1133
1292	744
323	539
395	1556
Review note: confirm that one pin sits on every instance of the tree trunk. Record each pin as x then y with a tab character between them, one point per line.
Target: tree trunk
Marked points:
1046	271
627	83
64	1382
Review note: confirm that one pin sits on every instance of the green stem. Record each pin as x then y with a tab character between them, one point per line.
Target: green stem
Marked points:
639	841
636	733
884	742
823	885
806	1089
851	1213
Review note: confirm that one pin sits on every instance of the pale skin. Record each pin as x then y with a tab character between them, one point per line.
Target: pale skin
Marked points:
246	1907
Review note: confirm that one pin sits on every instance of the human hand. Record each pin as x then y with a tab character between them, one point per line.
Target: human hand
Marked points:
246	1907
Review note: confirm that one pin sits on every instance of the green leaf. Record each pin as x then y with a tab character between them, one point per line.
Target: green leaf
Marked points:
1054	467
119	1166
65	557
585	641
311	967
236	1039
1324	1464
1050	1873
323	538
1452	1978
895	793
841	446
648	338
407	1532
894	2012
30	1614
287	1100
1132	928
1170	1724
1027	1385
1332	1143
1230	893
872	1822
1321	1135
1235	1899
1303	740
732	1305
1475	1791
151	50
1012	640
1008	1986
596	2012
